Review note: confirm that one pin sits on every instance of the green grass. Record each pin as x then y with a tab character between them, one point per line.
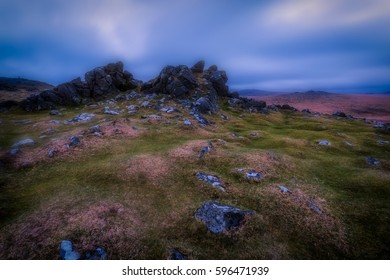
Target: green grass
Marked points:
135	198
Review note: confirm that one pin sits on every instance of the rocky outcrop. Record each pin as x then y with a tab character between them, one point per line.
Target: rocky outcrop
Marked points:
99	83
204	86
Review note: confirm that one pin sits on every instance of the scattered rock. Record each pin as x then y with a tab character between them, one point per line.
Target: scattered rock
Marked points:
284	189
221	218
235	135
132	107
110	112
98	254
175	254
67	252
210	179
373	161
382	142
251	175
24	142
14	151
204	151
74	141
324	143
339	114
95	128
349	144
55	113
145	104
200	119
51	152
253	134
187	122
224	117
83	117
168	110
55	121
153	117
314	206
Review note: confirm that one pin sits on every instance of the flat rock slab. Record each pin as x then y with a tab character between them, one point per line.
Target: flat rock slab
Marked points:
221	218
251	175
324	143
24	142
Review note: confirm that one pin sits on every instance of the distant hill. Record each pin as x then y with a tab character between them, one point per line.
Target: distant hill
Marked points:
256	92
14	84
19	88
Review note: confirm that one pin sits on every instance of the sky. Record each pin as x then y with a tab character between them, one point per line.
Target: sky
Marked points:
278	45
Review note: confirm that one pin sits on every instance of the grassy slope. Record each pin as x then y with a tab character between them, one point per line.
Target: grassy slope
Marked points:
136	196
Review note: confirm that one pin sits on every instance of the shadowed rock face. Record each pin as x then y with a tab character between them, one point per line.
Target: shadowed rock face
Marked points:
99	83
220	218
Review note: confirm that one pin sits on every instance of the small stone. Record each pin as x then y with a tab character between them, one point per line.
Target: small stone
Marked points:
187	123
66	251
24	142
324	143
132	107
283	189
74	141
14	151
372	161
153	117
210	179
382	142
51	152
203	152
98	254
175	254
145	104
55	121
55	113
110	112
253	175
95	128
314	206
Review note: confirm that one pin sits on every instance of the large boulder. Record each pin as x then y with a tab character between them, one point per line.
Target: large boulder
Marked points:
205	105
176	81
198	67
218	79
221	218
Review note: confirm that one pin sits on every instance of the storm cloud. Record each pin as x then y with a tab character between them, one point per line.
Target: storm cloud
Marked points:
273	45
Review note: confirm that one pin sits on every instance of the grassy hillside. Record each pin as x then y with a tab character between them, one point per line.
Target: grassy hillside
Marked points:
133	189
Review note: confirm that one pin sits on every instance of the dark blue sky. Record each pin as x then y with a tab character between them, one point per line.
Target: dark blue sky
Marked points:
282	45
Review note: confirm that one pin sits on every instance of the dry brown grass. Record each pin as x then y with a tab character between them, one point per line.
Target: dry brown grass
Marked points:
189	150
38	235
295	210
151	167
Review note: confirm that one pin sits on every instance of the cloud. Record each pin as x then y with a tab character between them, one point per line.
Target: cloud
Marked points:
257	42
